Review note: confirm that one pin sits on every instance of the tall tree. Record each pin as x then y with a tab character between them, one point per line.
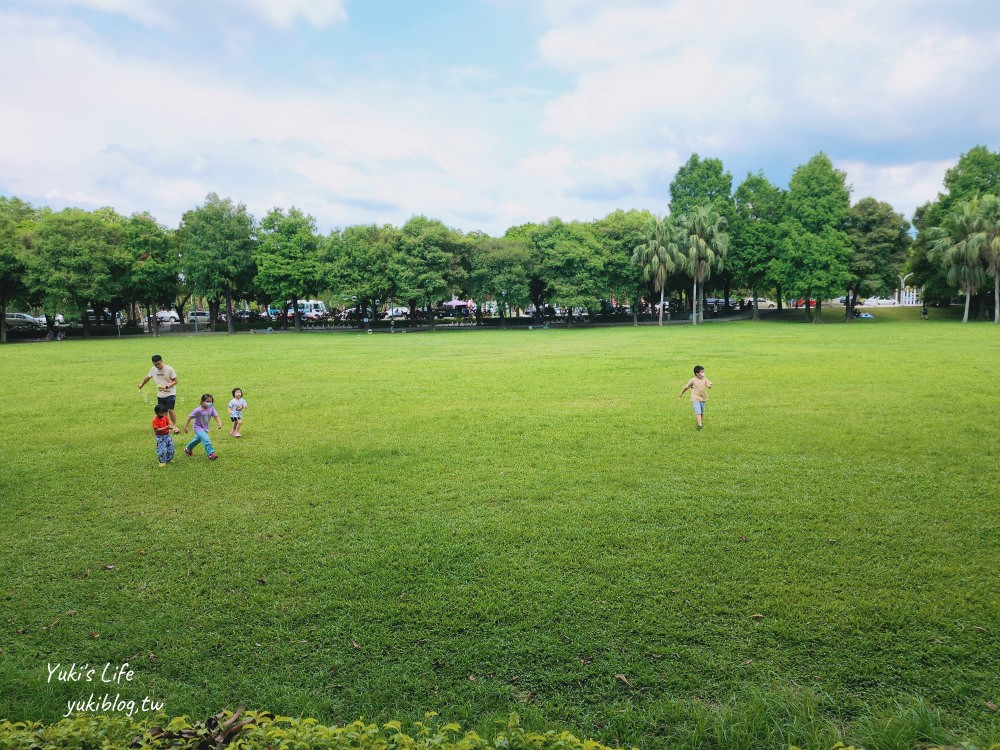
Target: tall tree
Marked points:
499	272
572	263
364	262
700	181
704	241
760	208
958	247
976	172
429	268
816	251
989	207
77	260
538	290
620	232
15	217
152	278
217	242
287	258
880	241
657	256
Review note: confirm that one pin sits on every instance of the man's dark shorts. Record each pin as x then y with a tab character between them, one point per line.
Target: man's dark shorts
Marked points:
167	402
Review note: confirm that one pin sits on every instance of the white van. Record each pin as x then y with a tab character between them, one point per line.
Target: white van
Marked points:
312	308
199	316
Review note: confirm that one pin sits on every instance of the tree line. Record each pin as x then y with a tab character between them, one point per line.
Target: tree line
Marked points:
805	241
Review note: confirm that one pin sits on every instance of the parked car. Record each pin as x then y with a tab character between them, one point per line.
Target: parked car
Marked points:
22	320
396	312
43	319
880	302
167	316
107	318
198	316
761	302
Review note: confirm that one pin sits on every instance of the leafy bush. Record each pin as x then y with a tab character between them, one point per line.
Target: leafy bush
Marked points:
260	731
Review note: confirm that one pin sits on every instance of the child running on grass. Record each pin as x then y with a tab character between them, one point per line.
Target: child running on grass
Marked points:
201	416
164	437
236	407
699	386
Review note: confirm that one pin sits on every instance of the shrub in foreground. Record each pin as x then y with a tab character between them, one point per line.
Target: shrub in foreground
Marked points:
263	731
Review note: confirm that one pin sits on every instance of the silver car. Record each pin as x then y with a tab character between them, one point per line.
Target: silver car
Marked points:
22	320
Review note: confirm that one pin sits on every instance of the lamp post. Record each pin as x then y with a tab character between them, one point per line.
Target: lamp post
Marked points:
902	282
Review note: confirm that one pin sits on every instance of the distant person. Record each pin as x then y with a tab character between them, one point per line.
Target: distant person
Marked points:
201	417
236	407
923	312
698	386
164	436
166	387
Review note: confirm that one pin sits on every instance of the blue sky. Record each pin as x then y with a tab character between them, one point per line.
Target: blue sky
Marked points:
483	113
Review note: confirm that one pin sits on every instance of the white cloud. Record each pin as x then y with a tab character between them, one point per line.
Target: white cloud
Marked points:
154	13
903	186
286	12
619	97
731	70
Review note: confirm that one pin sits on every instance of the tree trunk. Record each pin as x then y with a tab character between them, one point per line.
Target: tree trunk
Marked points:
819	311
230	326
661	303
996	299
968	297
694	303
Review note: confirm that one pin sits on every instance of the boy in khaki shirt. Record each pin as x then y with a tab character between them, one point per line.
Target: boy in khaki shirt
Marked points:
699	386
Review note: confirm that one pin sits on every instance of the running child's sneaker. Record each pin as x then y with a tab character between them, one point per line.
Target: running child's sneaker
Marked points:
212	456
188	452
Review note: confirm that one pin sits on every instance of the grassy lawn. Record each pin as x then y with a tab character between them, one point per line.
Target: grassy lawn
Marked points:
481	522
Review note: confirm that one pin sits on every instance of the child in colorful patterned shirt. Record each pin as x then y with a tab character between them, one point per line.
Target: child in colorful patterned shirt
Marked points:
164	439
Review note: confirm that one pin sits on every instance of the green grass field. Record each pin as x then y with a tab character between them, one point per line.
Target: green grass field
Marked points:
483	522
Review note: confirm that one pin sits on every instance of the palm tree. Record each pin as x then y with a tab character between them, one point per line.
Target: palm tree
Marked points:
958	243
989	237
657	255
705	243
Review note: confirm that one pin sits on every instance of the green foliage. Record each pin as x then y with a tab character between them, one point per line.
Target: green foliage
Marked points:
77	260
755	244
699	182
620	232
287	258
976	173
152	276
15	218
818	197
364	262
815	252
881	242
429	266
499	271
264	731
570	263
217	242
703	242
658	255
